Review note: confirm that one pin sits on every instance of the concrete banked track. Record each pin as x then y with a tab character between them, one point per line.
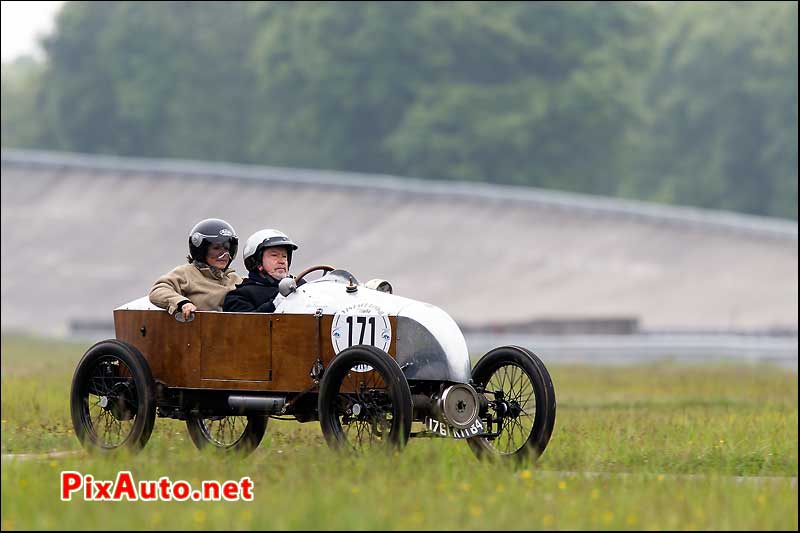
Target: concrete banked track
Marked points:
84	234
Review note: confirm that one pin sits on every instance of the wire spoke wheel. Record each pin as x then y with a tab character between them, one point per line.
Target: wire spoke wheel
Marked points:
365	413
112	402
521	404
518	403
227	434
364	401
112	398
224	431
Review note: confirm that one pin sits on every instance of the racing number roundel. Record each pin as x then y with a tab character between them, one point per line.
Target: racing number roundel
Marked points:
362	323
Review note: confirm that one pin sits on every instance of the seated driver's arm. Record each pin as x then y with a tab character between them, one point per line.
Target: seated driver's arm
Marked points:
266	307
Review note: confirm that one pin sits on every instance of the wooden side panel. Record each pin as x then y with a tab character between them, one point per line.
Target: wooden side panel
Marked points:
171	348
295	346
296	343
236	347
237	351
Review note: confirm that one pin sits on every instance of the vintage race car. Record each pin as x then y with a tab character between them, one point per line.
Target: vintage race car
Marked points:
365	363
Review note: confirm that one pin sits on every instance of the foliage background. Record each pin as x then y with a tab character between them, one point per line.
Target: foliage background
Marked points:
690	103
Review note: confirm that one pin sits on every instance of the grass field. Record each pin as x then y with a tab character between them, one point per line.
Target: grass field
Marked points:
649	447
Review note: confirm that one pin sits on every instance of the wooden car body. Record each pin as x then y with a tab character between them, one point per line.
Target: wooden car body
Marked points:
236	351
200	363
365	363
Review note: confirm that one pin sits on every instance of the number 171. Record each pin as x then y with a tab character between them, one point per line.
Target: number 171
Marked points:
363	321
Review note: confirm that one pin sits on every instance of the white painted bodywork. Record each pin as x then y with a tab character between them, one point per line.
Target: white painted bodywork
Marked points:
139	304
329	294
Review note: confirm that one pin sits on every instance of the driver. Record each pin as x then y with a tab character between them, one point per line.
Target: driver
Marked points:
203	282
267	257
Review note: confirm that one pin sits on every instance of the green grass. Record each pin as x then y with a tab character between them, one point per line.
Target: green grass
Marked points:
656	423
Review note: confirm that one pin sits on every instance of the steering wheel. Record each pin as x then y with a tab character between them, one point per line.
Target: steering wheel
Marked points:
324	268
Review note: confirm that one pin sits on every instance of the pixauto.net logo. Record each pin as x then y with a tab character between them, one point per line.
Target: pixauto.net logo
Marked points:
164	489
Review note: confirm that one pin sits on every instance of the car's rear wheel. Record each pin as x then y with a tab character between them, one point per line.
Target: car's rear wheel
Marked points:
522	404
227	434
364	401
112	399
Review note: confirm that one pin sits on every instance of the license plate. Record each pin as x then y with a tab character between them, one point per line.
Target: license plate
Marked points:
444	430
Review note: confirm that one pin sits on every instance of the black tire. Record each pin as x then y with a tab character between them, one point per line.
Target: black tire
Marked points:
361	408
227	434
523	429
112	400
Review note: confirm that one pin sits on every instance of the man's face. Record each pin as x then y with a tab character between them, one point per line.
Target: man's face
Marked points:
275	262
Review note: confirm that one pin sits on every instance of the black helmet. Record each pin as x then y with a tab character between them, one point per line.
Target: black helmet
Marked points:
211	230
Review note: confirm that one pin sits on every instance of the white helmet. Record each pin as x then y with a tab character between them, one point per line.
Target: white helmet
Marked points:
265	238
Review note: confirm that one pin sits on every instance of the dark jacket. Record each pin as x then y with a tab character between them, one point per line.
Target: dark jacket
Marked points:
254	295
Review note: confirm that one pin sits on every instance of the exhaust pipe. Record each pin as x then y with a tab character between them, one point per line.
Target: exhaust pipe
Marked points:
257	404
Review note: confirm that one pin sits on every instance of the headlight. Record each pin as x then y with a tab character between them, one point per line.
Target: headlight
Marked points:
379	285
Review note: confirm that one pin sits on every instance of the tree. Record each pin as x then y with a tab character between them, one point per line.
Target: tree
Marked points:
692	103
723	122
334	79
21	88
535	93
151	79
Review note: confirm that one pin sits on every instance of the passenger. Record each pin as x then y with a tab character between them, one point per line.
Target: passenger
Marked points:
267	257
202	283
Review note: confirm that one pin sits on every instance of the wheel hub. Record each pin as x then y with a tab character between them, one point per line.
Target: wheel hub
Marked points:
514	410
120	403
459	404
507	409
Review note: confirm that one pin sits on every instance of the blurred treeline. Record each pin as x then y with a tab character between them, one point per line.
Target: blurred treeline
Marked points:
688	103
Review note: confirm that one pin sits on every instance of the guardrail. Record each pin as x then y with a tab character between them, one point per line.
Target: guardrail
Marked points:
643	348
755	226
597	349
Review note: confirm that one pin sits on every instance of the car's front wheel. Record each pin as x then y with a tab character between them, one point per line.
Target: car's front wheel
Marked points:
521	410
364	401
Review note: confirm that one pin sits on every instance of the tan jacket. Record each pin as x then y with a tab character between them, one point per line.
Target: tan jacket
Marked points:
198	285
